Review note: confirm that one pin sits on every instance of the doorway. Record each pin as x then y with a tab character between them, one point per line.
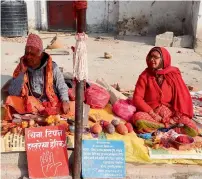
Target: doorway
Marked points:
61	16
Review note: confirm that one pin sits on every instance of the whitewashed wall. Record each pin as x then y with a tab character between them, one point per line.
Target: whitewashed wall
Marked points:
192	12
102	16
37	14
199	23
133	17
31	14
151	17
198	40
44	15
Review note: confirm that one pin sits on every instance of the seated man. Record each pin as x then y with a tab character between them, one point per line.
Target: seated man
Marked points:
38	85
161	97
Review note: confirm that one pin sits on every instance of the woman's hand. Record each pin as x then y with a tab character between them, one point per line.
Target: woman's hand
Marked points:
65	107
155	116
158	118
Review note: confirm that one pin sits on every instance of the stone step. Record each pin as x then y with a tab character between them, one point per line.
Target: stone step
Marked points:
14	166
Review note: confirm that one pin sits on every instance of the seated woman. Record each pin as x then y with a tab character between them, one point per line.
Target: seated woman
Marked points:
38	86
161	97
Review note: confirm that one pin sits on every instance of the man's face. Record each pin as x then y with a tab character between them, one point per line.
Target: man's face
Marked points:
32	57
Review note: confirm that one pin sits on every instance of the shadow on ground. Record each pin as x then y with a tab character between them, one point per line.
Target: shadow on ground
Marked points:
199	68
144	40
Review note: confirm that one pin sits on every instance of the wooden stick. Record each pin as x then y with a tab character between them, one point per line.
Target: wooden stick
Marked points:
81	27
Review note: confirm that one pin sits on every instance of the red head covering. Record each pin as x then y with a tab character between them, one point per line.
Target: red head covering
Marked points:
182	101
165	55
34	40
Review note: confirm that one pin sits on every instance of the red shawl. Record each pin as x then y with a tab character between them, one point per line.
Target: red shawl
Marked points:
181	99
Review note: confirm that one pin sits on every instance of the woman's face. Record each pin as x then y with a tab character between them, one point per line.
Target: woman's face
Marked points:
154	60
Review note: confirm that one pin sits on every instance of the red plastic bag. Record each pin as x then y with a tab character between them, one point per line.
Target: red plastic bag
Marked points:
72	92
96	97
124	109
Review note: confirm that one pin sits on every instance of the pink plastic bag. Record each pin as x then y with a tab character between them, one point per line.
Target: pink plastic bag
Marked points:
124	109
96	97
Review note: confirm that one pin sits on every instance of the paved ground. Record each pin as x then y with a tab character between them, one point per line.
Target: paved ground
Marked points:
14	166
127	63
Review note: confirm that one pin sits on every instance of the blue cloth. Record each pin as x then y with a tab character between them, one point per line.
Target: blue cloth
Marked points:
16	85
145	136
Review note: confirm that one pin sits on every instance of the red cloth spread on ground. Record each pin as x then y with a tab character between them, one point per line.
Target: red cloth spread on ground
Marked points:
173	93
16	104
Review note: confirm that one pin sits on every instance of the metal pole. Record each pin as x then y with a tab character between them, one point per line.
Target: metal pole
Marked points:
81	26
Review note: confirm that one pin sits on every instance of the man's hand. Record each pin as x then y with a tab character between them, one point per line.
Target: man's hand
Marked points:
23	65
65	107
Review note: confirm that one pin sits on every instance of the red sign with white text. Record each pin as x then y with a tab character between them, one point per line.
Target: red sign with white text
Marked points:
46	152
